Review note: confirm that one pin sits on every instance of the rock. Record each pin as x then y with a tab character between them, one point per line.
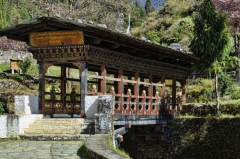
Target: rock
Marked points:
102	25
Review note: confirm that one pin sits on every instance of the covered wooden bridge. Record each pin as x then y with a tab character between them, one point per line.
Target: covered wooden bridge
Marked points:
135	71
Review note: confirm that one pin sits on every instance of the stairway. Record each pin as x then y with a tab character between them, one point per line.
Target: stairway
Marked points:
59	129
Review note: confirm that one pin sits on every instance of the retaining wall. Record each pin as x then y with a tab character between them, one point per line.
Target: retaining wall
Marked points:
12	125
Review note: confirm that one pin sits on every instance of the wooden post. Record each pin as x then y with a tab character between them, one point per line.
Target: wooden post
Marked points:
150	94
136	94
162	94
183	84
63	89
83	77
103	81
41	89
120	90
174	92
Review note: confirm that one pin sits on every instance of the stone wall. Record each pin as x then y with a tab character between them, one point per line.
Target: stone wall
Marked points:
196	138
104	117
205	138
12	125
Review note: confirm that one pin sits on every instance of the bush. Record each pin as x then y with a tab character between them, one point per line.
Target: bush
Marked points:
235	94
3	106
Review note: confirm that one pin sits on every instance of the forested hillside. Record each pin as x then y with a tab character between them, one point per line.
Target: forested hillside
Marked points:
13	12
172	24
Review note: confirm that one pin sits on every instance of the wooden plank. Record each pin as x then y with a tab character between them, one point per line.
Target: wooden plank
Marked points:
144	83
129	81
157	84
95	76
113	79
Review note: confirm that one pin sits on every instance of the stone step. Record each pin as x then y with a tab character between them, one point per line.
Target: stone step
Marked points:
50	137
60	126
64	120
54	131
54	126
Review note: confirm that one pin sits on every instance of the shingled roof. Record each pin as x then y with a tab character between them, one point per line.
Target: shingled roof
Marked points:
104	38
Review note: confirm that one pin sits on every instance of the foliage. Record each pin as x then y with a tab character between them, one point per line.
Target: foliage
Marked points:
225	83
201	90
3	106
235	93
25	64
149	7
212	42
227	107
173	24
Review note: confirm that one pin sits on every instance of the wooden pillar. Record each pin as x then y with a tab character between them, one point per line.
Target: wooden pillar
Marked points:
150	94
116	83
174	92
162	94
41	88
83	77
103	81
120	90
136	94
183	84
63	89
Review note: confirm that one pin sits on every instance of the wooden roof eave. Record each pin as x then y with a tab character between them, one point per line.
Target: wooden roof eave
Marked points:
96	32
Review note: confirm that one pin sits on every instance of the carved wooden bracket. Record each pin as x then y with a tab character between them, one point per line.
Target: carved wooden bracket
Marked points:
46	66
78	65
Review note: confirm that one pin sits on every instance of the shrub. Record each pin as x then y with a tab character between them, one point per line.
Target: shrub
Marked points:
3	106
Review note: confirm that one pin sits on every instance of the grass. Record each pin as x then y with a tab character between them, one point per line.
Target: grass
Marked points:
4	67
119	151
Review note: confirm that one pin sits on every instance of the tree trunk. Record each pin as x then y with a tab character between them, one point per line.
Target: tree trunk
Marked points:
217	93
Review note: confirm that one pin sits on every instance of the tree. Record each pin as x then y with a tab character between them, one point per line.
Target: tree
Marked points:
148	7
231	8
212	42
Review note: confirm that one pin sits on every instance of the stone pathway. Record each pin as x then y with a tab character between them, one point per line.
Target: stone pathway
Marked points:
22	149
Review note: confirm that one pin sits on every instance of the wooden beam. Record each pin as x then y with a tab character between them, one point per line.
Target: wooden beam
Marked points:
136	94
13	37
103	80
94	41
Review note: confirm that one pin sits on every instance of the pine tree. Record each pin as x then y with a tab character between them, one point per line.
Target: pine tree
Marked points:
148	7
2	19
212	42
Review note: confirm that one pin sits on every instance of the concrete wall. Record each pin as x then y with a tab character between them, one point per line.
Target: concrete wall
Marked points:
12	125
91	106
26	105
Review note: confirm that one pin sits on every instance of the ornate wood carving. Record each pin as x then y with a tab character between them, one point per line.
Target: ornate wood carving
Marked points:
60	53
132	62
46	66
78	65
